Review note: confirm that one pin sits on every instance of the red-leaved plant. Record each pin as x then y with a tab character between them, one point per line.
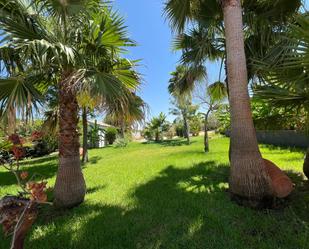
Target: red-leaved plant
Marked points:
36	135
18	213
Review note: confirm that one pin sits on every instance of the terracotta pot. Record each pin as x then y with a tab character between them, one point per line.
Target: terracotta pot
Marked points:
281	183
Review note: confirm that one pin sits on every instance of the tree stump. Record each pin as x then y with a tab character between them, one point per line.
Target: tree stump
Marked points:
17	216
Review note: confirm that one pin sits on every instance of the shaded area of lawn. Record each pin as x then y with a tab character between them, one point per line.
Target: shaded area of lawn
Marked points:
177	202
44	166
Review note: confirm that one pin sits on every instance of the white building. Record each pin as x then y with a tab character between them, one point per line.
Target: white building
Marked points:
96	129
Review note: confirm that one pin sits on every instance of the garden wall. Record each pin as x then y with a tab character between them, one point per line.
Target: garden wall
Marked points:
282	138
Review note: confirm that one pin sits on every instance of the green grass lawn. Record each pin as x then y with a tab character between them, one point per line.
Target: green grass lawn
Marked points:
170	196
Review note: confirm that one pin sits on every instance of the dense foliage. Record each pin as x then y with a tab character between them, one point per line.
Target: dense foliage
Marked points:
111	134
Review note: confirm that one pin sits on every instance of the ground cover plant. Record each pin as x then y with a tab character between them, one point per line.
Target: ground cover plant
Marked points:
166	195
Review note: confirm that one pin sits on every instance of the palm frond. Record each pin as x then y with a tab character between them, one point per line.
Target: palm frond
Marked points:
22	93
217	91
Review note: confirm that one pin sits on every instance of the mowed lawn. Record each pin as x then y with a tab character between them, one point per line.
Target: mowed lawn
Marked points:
167	195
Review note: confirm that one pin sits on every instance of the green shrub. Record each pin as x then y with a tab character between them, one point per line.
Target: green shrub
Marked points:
148	134
110	135
121	142
179	130
195	125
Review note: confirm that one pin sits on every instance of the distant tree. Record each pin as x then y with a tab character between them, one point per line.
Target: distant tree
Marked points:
156	127
126	113
210	98
185	110
196	122
180	86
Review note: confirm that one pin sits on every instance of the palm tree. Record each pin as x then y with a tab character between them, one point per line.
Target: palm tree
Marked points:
206	40
125	113
13	66
180	87
157	125
87	103
183	108
78	42
248	177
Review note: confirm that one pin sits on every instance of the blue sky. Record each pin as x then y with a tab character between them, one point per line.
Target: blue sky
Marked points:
151	31
148	27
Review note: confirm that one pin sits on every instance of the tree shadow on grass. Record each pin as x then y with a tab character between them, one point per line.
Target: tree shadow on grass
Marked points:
45	167
166	208
299	199
94	159
181	208
39	160
161	217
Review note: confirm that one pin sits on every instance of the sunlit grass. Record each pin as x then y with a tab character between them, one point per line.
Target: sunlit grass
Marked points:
166	195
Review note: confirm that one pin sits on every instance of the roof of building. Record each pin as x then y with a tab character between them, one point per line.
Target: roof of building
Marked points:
99	123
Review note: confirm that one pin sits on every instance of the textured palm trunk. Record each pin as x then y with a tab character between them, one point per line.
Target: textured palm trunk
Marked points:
306	164
186	127
248	177
123	129
11	120
206	138
70	185
85	136
157	136
228	95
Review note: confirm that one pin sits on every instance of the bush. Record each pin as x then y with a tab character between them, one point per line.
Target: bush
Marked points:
110	135
42	144
195	125
147	134
121	142
171	132
179	130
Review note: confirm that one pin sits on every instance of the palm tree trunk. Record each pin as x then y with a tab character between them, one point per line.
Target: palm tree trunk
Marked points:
206	139
228	95
186	127
306	164
70	187
122	129
85	136
11	120
157	136
248	177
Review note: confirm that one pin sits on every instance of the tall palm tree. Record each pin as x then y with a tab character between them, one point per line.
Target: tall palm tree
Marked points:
206	40
181	86
248	176
87	104
79	42
184	109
